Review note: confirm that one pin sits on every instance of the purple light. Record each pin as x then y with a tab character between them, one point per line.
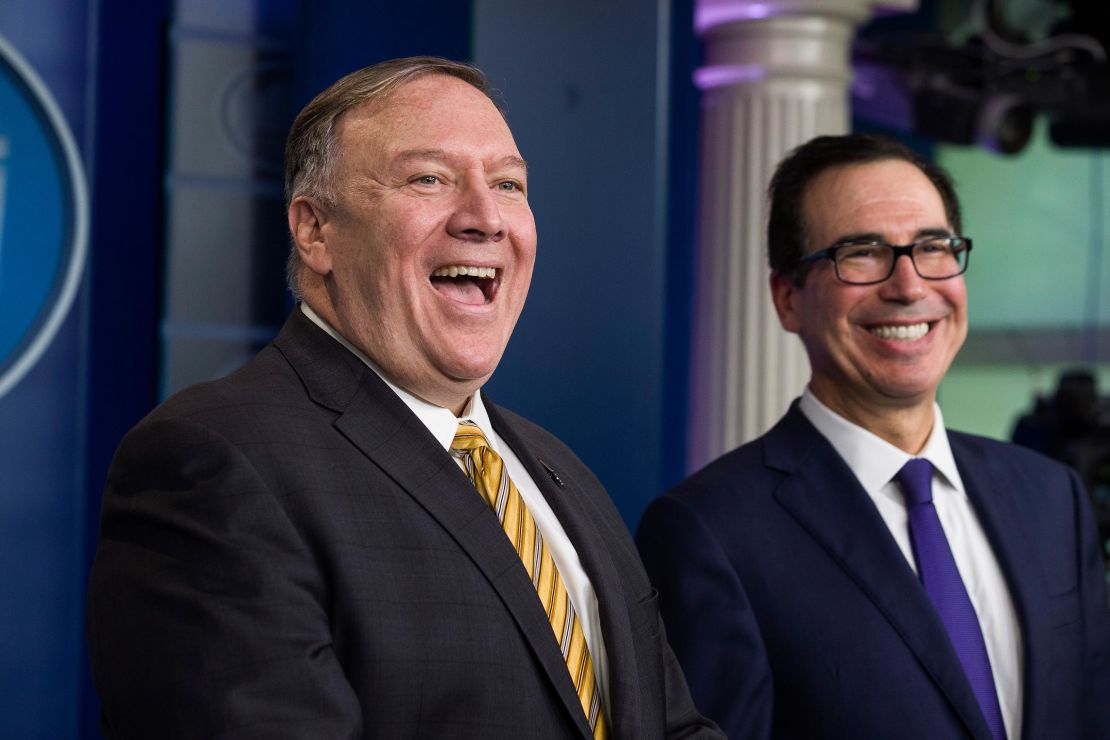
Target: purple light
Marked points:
707	78
709	14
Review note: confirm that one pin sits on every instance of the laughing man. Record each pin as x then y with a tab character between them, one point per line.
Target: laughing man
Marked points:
345	538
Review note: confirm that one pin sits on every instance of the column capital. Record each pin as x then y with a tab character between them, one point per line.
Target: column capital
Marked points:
754	41
712	13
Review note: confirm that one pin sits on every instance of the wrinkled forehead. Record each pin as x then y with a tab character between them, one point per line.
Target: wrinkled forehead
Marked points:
428	112
890	199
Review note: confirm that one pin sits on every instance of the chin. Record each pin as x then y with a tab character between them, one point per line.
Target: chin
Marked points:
469	373
471	363
909	393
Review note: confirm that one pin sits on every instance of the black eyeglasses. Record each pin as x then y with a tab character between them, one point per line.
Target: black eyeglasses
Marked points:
866	261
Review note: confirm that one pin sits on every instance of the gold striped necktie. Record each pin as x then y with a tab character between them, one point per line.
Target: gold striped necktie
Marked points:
486	470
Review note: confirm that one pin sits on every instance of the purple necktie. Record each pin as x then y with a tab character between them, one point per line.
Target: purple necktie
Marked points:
941	578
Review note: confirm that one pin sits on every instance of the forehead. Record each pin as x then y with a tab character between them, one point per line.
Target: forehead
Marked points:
890	198
433	111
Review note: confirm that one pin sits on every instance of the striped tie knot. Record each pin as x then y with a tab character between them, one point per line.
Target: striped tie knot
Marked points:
486	471
468	438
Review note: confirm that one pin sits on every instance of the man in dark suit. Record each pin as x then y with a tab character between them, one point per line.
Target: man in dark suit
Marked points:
859	571
345	538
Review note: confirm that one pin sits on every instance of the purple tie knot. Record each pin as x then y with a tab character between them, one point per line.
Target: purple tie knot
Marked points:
916	479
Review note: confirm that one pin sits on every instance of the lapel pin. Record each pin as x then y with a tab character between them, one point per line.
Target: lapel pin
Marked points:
552	474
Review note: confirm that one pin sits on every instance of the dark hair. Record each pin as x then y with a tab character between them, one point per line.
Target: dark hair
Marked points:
312	149
786	226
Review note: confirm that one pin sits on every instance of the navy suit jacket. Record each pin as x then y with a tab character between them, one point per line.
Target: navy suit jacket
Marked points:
795	614
289	553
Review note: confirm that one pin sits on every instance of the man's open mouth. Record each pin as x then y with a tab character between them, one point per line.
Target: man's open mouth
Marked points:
466	283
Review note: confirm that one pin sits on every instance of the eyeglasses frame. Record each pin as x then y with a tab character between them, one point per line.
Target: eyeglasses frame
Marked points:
899	250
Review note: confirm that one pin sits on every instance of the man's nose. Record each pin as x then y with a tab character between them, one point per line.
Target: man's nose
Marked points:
477	216
904	284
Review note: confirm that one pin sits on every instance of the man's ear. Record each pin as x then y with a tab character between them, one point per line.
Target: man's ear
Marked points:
784	292
307	219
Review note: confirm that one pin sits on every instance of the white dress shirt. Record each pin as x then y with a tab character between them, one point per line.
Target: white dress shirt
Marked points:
442	423
875	462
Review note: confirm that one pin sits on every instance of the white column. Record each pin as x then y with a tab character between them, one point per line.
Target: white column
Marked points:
776	74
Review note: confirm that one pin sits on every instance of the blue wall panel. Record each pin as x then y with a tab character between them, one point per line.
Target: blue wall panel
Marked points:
589	96
42	494
127	78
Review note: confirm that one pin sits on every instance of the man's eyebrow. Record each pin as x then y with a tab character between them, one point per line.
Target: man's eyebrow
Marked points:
512	161
410	154
935	231
874	236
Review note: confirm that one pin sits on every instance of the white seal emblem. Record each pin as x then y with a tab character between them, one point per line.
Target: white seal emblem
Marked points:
43	218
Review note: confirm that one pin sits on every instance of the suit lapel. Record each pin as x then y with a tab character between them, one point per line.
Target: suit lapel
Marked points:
992	488
579	518
379	424
824	496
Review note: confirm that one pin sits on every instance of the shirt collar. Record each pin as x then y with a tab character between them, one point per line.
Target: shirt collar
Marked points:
874	460
441	422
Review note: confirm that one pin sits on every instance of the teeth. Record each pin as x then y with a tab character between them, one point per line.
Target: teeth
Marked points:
903	333
468	270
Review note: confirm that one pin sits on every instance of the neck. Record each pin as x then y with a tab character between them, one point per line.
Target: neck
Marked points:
907	426
453	402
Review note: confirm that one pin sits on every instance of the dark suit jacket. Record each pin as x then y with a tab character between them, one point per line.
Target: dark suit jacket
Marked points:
288	553
795	615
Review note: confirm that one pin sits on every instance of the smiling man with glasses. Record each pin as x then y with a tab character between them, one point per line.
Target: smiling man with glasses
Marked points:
860	571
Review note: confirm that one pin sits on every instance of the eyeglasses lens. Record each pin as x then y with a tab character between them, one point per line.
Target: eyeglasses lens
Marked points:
935	259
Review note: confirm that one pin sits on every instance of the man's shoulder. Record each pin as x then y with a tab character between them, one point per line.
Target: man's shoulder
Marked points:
282	379
263	381
1045	487
977	448
747	459
262	404
740	480
761	462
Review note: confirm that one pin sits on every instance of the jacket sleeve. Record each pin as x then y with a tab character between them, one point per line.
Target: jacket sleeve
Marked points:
205	608
683	718
709	622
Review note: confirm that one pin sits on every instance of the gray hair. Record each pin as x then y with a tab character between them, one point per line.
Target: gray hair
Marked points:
312	149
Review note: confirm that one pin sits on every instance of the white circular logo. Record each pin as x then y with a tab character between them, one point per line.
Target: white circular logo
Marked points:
43	217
